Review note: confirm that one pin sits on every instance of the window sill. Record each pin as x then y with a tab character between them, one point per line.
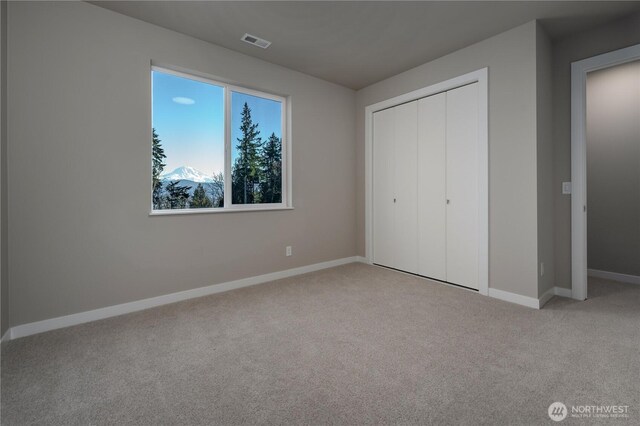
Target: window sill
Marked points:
216	211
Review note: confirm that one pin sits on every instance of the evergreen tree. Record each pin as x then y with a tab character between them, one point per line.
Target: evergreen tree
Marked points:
245	179
158	156
177	196
271	168
199	200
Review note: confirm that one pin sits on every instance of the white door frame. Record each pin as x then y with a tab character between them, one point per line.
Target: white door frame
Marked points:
579	71
481	77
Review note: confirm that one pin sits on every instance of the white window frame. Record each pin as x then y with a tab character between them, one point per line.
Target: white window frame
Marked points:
286	203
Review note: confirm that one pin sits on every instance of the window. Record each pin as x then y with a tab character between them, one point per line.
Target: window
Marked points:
215	147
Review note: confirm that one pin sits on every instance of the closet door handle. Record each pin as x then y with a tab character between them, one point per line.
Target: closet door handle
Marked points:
394	200
448	201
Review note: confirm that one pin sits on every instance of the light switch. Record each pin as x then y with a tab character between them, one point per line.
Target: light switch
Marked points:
566	187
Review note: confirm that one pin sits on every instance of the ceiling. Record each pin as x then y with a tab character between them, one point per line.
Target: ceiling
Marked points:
355	44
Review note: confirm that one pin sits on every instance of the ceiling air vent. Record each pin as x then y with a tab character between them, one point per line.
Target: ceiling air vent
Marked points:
256	41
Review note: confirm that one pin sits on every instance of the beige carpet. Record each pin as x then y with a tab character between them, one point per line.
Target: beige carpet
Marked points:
351	345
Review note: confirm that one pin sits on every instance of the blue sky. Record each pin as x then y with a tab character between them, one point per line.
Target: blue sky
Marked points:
192	134
188	116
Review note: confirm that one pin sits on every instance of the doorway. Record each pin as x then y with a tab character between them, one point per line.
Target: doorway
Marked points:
581	73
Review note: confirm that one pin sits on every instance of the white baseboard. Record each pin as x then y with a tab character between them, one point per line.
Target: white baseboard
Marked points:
546	297
139	305
553	291
563	292
530	302
631	279
7	336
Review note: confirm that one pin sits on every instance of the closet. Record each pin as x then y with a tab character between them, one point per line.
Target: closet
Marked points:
425	186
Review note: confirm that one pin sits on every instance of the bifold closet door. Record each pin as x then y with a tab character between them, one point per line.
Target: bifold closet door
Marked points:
406	187
383	192
432	234
462	186
395	168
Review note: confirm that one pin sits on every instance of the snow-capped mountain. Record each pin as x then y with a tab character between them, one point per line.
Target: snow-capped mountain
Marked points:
187	173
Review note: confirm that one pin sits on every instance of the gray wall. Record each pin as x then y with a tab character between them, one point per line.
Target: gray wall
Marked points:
616	35
613	169
544	114
79	149
511	58
4	283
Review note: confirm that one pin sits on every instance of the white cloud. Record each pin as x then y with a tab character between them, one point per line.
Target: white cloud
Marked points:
183	101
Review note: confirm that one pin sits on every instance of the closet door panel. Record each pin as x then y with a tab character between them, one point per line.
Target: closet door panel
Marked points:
383	191
406	187
432	235
462	186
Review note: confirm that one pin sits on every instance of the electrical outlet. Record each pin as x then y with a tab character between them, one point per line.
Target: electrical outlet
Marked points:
542	269
288	251
566	187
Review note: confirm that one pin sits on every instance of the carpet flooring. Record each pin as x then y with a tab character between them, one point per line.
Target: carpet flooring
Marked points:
356	344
